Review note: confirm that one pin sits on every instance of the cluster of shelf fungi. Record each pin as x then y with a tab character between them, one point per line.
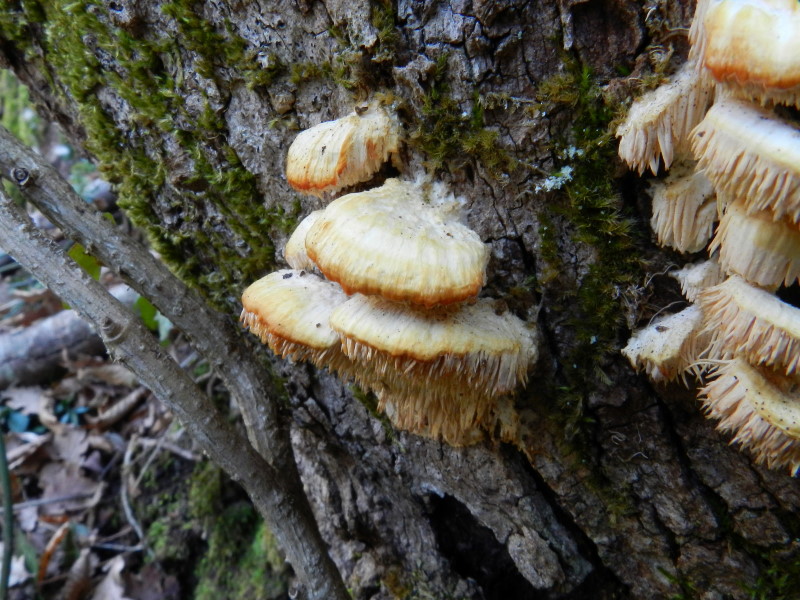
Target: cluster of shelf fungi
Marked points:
725	126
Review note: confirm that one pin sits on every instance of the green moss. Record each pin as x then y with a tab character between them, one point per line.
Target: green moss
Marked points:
589	207
243	561
449	135
779	577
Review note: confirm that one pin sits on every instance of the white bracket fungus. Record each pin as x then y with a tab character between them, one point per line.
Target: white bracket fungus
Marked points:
337	154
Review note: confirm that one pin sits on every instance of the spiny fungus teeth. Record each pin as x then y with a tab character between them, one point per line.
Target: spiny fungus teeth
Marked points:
289	310
748	321
749	153
696	277
337	154
389	241
658	124
669	346
470	347
763	251
684	210
294	252
761	408
754	47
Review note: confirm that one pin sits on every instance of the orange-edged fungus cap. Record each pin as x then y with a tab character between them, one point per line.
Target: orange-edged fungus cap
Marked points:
341	153
289	310
749	153
294	252
684	210
669	346
763	251
748	321
389	241
753	46
658	124
696	277
761	408
470	347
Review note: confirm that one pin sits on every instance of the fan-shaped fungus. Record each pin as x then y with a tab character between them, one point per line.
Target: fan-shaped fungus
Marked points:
762	409
389	241
341	153
753	45
468	347
658	123
684	210
763	251
748	321
290	311
669	346
294	252
696	277
749	153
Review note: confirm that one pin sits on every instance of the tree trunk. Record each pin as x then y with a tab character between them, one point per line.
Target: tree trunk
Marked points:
610	488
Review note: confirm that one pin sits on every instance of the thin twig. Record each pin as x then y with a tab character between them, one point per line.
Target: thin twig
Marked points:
8	520
44	501
123	489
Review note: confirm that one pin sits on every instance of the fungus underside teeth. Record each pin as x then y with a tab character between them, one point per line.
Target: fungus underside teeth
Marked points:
470	349
295	250
753	48
750	153
763	413
684	210
743	319
337	154
762	251
669	346
658	123
696	277
389	241
289	310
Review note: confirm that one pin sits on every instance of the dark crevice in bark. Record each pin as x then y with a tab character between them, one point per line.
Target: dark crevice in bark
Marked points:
474	552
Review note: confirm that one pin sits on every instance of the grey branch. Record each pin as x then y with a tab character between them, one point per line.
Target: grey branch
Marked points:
278	496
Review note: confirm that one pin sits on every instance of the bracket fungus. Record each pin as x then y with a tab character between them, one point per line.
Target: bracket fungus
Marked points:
752	46
696	277
667	347
337	154
684	210
658	124
389	241
749	153
745	320
763	251
290	311
294	252
762	410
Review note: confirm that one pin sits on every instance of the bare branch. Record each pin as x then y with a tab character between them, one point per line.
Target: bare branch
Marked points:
212	334
279	499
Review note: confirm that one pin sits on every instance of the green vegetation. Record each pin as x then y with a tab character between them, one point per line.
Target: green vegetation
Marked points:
446	133
587	204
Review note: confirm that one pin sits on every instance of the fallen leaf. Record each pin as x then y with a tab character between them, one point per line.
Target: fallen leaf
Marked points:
64	480
23	399
111	587
19	574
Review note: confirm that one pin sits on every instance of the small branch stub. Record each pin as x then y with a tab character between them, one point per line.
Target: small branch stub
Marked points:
20	176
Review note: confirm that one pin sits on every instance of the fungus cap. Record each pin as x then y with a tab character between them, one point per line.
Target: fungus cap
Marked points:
748	152
341	153
754	47
289	310
295	249
389	241
763	251
745	320
658	124
761	408
684	210
696	277
469	347
668	346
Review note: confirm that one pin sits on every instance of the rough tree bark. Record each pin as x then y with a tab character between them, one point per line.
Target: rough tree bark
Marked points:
612	488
